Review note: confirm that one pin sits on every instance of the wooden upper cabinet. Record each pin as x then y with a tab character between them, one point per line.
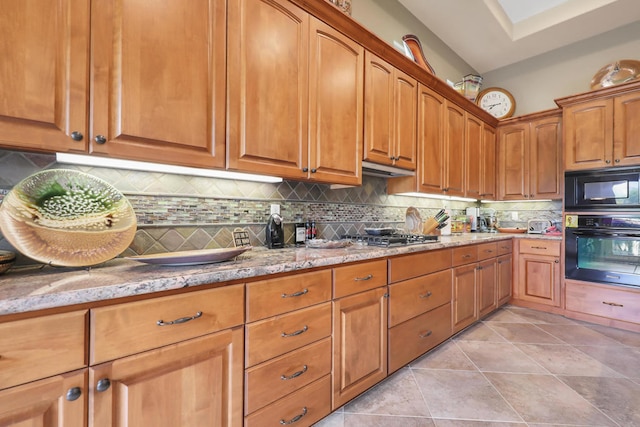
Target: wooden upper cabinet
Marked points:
454	137
488	171
431	160
336	103
295	94
530	157
473	156
390	114
158	81
601	128
43	95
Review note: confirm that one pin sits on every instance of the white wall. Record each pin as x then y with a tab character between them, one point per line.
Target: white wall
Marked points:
535	83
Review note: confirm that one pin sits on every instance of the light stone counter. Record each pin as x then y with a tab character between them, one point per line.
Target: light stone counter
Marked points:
24	289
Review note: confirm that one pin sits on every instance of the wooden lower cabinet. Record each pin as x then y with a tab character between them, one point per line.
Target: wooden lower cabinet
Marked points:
59	401
504	278
487	290
359	344
413	338
538	272
193	383
464	307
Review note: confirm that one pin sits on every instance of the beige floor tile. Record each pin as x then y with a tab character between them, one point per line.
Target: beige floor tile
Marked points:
446	356
360	420
579	335
625	360
468	423
499	357
462	395
505	316
479	332
535	316
397	395
566	360
546	399
618	398
524	333
629	338
336	419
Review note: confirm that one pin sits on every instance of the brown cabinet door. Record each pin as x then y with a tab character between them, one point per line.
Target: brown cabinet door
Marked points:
268	87
545	173
539	279
193	383
513	162
455	129
43	95
405	133
464	309
488	173
626	133
504	278
487	286
431	155
58	401
588	134
336	103
359	344
158	81
473	156
378	110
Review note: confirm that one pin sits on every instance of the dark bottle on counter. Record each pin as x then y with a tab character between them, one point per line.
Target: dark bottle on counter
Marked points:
314	232
307	227
300	233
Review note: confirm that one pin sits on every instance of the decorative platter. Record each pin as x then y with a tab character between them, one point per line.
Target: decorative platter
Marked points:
195	257
327	244
67	218
512	230
622	71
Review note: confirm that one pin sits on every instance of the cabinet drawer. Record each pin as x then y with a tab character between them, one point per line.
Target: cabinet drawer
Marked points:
465	255
356	278
277	335
416	296
413	338
270	297
487	250
505	247
129	328
37	348
539	247
414	265
272	380
605	301
301	409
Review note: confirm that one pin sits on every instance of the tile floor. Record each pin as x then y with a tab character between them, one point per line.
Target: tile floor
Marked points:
517	367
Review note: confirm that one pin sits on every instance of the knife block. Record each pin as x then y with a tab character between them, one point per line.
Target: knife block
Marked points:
429	226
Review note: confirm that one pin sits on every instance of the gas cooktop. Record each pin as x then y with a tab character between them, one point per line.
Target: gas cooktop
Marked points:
391	239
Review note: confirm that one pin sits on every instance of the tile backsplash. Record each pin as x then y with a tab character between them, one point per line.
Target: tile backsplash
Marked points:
179	212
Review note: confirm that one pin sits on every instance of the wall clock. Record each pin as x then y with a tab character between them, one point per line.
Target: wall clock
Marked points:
497	101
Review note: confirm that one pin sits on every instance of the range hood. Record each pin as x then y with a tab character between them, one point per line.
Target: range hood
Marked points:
384	171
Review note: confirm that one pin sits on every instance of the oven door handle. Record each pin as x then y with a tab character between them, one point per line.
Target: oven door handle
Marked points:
605	233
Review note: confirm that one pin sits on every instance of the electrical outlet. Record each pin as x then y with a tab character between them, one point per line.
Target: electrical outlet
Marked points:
275	209
514	216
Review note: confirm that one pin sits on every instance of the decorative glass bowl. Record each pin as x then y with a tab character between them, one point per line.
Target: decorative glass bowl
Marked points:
67	218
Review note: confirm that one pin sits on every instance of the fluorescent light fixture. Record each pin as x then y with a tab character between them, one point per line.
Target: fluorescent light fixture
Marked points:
437	196
106	162
516	201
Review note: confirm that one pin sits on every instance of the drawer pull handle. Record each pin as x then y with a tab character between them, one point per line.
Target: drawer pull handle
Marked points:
426	334
466	256
293	334
103	384
295	419
295	374
613	304
489	251
73	393
296	294
180	320
538	247
367	277
427	295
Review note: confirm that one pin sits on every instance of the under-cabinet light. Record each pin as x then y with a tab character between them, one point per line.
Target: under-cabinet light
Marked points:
437	196
79	159
516	201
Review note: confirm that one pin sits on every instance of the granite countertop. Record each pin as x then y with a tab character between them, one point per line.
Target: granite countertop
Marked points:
31	288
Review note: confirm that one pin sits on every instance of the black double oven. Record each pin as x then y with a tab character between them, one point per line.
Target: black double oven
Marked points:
602	226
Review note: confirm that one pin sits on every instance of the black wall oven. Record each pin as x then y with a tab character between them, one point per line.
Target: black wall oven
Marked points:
603	248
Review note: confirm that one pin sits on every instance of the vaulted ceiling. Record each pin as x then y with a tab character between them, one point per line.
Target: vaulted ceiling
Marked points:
491	34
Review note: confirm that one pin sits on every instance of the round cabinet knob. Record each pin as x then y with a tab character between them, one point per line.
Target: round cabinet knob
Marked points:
73	394
607	161
77	136
314	170
103	384
617	160
100	139
305	169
